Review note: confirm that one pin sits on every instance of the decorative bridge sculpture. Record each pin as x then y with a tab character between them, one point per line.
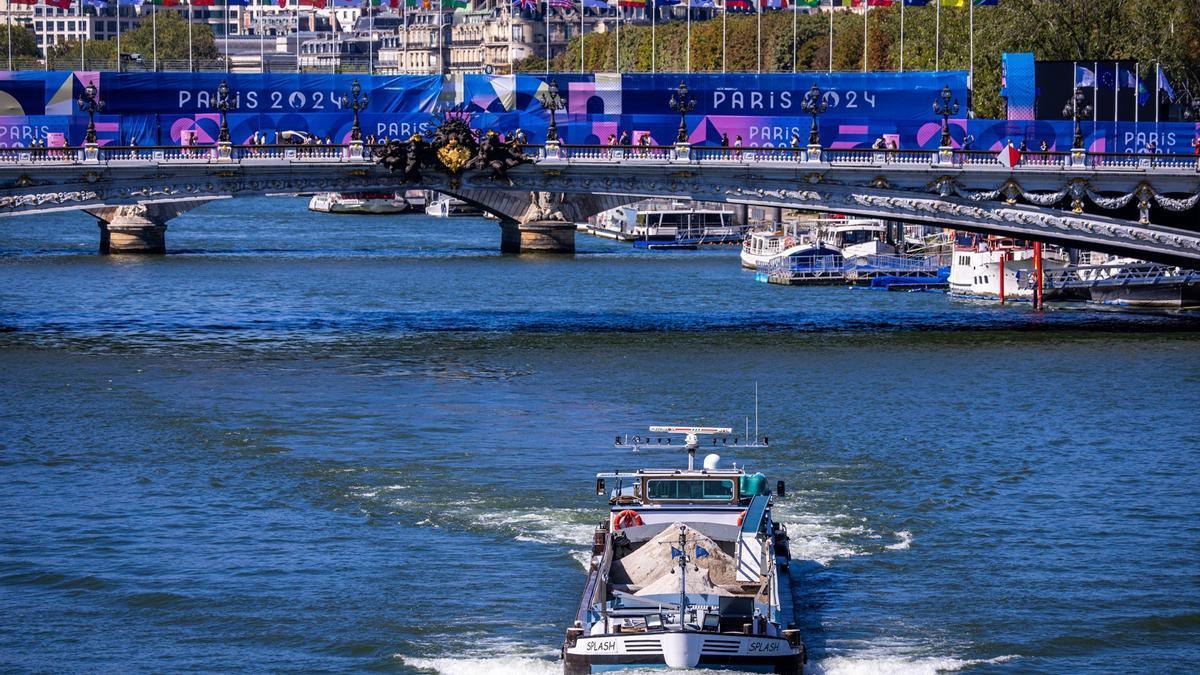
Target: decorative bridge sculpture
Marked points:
1137	205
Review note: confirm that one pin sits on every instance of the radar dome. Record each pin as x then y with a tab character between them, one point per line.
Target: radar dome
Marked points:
711	461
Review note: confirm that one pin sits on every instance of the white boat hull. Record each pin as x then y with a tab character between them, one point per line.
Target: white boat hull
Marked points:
682	649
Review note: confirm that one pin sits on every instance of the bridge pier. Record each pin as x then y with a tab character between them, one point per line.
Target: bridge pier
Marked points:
137	228
541	236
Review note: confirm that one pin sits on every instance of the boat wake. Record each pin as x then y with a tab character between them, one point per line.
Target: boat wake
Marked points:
895	664
494	665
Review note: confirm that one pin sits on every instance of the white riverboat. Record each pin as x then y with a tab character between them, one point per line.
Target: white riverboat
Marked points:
445	206
987	267
373	203
668	224
847	238
689	570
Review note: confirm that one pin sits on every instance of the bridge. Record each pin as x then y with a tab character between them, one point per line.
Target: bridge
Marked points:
1136	205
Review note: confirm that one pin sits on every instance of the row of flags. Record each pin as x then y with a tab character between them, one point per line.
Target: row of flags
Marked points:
1111	77
734	5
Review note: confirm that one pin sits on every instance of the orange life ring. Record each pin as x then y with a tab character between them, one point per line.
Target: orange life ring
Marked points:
741	517
626	518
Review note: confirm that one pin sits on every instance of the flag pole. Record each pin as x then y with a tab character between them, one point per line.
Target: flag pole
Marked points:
937	35
902	3
118	36
582	30
154	33
82	34
226	31
759	31
619	13
546	8
371	43
971	65
795	9
653	35
1116	93
191	67
297	36
1136	103
688	4
831	36
1095	93
8	11
262	47
1157	94
866	10
724	13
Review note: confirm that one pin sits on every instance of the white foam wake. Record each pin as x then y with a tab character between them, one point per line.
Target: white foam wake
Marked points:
903	543
500	665
821	538
896	665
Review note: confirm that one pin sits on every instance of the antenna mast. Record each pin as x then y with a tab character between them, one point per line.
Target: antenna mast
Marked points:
691	440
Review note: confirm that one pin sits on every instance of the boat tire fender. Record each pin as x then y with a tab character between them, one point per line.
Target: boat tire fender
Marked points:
741	517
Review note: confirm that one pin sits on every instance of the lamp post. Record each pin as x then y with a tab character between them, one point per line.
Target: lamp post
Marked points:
814	104
551	101
224	104
89	104
355	102
683	103
1077	108
1191	112
942	106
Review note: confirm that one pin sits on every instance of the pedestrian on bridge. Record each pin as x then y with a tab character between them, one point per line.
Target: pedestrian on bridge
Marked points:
624	142
737	147
724	146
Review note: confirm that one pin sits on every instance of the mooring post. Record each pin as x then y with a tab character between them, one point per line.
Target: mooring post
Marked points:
1003	255
1037	270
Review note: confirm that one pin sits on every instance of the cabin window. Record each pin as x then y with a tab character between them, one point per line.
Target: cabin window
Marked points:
689	489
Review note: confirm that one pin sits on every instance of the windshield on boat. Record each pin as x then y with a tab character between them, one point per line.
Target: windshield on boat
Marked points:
689	489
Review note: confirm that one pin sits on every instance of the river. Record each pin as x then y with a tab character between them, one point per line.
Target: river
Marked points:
306	442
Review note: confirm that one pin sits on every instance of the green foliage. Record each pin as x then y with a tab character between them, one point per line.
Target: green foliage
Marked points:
172	39
1167	31
23	42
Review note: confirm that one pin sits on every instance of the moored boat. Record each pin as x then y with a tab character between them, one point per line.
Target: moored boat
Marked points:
689	570
374	203
989	267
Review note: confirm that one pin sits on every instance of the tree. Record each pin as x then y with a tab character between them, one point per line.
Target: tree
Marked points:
1164	31
24	44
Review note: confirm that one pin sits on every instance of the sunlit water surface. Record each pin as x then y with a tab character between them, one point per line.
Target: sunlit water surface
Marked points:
307	442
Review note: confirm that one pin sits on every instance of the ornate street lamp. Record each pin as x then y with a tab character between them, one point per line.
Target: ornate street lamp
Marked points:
224	104
355	103
943	107
551	101
91	105
683	103
814	104
1077	108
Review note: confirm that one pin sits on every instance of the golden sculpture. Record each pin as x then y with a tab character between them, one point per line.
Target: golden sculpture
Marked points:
454	156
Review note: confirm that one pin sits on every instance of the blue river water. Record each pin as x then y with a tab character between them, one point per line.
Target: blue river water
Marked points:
304	442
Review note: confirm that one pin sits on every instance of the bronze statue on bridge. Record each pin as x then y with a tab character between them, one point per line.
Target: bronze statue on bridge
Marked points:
455	147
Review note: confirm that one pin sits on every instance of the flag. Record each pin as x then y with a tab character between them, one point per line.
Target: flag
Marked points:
463	4
96	3
61	4
1165	84
556	4
738	6
632	3
702	3
809	3
985	3
1143	92
519	4
230	2
675	553
346	3
1084	77
916	3
879	3
1106	76
208	3
1009	156
666	3
595	4
23	2
773	4
952	3
319	4
701	552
